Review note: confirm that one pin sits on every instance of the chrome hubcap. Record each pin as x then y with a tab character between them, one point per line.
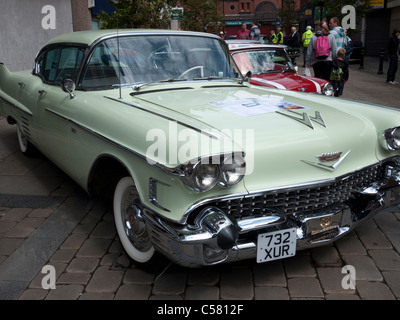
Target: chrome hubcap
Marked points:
132	220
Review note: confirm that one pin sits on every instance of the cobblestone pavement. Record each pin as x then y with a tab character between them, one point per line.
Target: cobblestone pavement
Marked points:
45	219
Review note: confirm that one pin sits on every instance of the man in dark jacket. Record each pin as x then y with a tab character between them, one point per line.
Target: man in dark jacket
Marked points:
294	39
393	49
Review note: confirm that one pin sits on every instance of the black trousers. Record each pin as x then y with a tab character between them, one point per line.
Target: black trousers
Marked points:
322	69
393	65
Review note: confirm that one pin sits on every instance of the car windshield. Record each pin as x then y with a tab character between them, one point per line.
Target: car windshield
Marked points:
263	61
142	59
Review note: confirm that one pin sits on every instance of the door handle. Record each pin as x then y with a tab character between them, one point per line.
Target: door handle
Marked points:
42	91
21	84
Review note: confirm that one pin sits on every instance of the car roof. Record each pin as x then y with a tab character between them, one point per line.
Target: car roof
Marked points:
91	36
249	44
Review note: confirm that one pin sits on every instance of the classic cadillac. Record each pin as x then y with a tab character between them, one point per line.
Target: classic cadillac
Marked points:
270	66
202	167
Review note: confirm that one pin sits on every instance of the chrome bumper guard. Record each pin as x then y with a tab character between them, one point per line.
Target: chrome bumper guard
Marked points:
215	238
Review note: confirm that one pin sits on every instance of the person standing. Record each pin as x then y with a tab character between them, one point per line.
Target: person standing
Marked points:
294	39
349	47
340	72
321	52
279	35
254	32
338	32
243	33
273	37
393	49
305	38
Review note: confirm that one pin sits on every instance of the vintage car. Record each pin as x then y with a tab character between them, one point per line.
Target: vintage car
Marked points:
269	66
201	166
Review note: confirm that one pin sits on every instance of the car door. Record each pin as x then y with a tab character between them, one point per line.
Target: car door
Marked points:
54	105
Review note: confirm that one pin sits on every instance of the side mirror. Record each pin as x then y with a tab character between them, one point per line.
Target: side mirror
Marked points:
247	76
68	86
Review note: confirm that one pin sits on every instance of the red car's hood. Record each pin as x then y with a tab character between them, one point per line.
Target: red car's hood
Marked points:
288	81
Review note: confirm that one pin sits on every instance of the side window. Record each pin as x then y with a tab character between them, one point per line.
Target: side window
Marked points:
59	64
50	65
69	63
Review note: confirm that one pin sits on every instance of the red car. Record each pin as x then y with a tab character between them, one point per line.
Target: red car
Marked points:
269	66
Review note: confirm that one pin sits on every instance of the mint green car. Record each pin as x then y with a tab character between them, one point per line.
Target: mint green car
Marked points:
201	166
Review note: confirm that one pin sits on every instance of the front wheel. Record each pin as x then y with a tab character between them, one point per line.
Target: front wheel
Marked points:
26	147
130	225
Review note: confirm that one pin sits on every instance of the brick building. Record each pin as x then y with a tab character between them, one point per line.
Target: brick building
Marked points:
265	12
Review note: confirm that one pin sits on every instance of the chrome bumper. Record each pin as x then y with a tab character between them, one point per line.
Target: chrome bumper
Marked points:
214	238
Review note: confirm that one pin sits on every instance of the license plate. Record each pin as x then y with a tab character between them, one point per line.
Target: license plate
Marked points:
276	245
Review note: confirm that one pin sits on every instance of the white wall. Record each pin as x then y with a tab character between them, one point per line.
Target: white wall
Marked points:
21	32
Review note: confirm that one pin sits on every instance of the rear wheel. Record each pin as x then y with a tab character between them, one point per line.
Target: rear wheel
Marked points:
130	225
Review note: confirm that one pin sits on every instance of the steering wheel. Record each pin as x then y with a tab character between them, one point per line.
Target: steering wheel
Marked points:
191	69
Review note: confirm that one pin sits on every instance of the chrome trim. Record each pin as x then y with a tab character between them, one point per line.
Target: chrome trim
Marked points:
171	171
306	118
288	188
189	246
328	167
16	107
153	193
258	223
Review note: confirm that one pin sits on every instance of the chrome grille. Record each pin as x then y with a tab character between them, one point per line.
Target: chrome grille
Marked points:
306	199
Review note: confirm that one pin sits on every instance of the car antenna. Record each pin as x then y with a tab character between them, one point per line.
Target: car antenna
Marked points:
119	62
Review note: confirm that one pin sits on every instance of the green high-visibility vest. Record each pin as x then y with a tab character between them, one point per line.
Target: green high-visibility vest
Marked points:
280	37
306	38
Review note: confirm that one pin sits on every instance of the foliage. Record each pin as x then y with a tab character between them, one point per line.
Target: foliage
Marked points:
200	14
334	8
288	14
137	14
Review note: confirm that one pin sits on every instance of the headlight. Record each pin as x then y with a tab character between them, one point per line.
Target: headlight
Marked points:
201	176
327	89
232	170
390	139
204	174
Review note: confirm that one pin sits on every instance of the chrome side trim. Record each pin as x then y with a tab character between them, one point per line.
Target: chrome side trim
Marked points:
172	171
16	107
153	193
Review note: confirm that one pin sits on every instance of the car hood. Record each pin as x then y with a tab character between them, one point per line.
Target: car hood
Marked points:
289	81
282	147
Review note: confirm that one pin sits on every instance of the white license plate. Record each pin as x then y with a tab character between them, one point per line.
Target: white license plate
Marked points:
276	245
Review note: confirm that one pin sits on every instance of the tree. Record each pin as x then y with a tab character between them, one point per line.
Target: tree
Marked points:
288	14
334	8
137	14
200	14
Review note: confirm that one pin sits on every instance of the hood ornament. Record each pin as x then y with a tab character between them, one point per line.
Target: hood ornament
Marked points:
304	118
329	161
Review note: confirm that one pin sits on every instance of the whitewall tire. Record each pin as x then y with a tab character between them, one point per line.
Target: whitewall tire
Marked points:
130	225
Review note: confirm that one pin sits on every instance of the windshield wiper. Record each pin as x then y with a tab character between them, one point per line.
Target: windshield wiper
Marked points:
240	81
137	87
